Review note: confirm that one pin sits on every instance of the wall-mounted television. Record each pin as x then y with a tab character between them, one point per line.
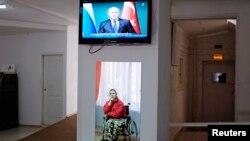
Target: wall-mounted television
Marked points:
115	21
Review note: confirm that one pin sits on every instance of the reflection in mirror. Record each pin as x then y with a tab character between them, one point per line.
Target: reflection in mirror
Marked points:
118	100
219	77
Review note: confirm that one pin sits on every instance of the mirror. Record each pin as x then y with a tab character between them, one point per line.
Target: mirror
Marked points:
112	120
219	77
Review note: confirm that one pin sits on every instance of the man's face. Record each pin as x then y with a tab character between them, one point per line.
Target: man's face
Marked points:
113	13
112	94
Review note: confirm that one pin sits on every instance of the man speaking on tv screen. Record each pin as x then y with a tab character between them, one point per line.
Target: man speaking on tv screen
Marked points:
115	24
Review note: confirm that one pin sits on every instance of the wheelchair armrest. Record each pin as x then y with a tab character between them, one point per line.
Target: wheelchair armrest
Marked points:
105	118
127	118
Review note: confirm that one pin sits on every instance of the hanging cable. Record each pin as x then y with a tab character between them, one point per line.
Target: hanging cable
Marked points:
91	49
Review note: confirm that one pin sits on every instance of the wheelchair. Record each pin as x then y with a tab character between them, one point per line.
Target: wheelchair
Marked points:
129	129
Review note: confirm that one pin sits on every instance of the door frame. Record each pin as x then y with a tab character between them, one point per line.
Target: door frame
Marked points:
197	114
219	15
42	84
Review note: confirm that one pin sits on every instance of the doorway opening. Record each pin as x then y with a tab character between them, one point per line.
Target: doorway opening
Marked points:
194	93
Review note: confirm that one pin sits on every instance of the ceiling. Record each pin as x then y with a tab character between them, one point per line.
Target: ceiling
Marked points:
65	12
38	13
206	26
44	11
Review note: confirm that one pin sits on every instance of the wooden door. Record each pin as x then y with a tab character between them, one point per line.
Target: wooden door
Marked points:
218	91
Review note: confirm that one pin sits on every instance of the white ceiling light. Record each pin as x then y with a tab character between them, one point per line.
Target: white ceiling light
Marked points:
3	6
233	21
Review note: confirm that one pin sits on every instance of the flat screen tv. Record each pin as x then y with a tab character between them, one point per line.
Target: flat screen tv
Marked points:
115	21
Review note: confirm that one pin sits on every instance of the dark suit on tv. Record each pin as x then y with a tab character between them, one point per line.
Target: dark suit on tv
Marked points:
124	27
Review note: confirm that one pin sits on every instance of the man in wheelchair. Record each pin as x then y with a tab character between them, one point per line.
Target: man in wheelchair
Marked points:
115	117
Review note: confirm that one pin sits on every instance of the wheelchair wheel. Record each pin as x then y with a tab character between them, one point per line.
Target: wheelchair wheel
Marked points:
133	131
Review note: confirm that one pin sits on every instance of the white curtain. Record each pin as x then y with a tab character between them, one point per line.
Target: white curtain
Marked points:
125	78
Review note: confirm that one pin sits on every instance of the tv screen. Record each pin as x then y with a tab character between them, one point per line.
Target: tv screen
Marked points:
120	21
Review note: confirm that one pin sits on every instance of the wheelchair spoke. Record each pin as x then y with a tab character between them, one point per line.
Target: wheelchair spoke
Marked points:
133	131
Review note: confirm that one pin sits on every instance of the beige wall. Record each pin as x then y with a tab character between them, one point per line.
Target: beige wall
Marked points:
179	71
179	87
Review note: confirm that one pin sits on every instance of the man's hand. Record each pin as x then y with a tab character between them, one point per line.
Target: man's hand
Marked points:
111	101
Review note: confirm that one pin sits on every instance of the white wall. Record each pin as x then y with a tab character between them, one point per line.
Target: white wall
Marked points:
72	69
155	97
25	51
154	110
86	86
222	9
164	59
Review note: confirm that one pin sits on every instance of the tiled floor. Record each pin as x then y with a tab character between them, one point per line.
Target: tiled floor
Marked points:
14	134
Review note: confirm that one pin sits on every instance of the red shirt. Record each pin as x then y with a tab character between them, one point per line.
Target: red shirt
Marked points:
115	110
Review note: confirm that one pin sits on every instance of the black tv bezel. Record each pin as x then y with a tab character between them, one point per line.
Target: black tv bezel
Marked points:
91	41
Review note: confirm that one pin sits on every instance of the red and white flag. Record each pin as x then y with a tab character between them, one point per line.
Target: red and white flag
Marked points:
129	13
